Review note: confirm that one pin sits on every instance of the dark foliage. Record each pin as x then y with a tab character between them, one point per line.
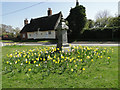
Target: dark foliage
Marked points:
76	20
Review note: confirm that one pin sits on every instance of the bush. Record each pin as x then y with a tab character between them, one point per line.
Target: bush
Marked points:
108	33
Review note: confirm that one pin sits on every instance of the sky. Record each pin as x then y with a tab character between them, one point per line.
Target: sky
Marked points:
9	17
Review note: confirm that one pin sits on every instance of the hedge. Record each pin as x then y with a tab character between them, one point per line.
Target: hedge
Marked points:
108	33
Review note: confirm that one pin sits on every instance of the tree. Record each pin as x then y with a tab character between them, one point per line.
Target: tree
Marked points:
102	18
114	22
76	19
89	24
9	30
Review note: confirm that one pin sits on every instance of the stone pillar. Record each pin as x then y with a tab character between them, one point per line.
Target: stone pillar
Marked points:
65	45
62	37
59	37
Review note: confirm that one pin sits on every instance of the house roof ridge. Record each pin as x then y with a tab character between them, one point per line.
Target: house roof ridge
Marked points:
47	16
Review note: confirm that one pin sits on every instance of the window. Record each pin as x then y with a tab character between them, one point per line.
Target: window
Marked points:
30	35
41	33
49	32
23	35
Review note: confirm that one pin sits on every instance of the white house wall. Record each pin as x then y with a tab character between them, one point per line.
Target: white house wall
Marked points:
41	35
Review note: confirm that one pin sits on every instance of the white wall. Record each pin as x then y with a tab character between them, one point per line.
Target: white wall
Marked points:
41	35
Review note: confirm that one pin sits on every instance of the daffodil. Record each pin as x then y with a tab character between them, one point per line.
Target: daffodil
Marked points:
53	60
43	59
7	62
78	56
29	69
108	57
91	60
72	70
80	59
61	60
34	61
83	69
11	55
88	57
37	59
26	61
29	62
15	62
75	65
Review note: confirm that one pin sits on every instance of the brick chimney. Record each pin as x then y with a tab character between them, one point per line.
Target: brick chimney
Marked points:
49	11
25	21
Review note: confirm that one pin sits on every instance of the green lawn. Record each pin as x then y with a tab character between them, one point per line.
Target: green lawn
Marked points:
99	75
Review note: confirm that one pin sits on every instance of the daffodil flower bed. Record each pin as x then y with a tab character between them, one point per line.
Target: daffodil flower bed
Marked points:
10	44
48	60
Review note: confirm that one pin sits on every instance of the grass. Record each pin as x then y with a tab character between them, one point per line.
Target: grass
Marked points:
99	75
0	68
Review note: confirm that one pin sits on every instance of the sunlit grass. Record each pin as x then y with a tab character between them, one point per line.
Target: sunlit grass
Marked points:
84	67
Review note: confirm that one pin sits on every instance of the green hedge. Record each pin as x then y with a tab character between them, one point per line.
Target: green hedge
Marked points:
108	33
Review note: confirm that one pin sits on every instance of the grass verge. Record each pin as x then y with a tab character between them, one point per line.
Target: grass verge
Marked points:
99	75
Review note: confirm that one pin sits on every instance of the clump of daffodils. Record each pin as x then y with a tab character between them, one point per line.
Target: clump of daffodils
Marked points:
48	60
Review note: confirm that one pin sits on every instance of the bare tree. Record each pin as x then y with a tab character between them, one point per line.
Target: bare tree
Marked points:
102	18
102	14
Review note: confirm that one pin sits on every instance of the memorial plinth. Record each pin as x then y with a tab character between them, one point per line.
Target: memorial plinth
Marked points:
62	37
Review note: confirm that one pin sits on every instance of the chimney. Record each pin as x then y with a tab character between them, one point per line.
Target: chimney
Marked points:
25	21
49	11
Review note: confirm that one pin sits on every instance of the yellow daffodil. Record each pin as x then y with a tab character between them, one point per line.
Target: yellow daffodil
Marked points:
43	59
7	62
53	60
37	59
34	61
91	60
56	62
15	62
72	70
40	58
78	56
29	69
58	49
26	61
83	69
80	59
11	55
61	60
88	57
75	65
108	57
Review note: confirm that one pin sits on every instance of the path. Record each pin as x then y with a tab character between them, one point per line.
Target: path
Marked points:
47	44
